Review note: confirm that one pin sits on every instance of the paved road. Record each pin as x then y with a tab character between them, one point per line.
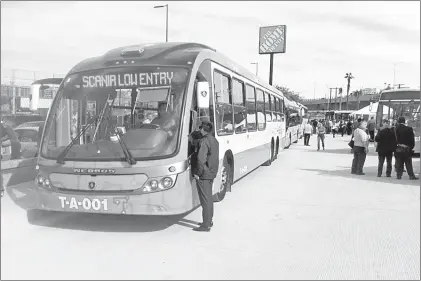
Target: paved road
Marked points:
304	217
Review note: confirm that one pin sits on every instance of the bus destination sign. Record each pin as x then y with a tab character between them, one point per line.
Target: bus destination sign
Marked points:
272	39
128	79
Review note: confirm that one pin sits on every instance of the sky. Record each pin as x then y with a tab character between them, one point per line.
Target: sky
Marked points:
325	40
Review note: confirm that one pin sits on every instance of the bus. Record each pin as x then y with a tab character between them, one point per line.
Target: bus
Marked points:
293	122
117	136
401	102
338	115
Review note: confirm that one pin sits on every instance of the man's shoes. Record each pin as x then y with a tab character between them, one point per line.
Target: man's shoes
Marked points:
360	174
202	229
399	177
388	176
353	173
413	178
379	175
201	224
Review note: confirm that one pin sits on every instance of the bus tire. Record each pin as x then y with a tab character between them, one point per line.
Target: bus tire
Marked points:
270	160
277	148
226	180
297	138
290	141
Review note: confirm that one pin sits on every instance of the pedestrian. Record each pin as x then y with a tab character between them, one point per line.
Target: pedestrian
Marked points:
320	131
205	172
314	126
335	129
329	126
386	146
349	127
371	126
307	133
405	140
360	148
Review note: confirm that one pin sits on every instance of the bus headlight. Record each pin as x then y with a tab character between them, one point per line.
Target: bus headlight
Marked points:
43	181
167	182
159	184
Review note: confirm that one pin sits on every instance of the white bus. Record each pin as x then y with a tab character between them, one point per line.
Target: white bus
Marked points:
101	151
293	122
401	102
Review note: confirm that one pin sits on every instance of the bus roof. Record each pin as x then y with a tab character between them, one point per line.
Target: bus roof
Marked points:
400	94
170	54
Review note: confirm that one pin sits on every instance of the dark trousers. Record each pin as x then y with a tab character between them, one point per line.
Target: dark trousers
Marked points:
371	135
333	132
388	157
359	160
204	189
306	139
320	137
401	159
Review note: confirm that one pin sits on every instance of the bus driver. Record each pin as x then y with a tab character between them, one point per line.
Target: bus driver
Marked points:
165	120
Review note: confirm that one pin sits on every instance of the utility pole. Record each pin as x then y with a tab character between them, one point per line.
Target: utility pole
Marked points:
166	20
336	97
271	69
330	99
348	76
340	97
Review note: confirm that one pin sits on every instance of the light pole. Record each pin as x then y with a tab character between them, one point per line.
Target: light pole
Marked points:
257	67
348	76
166	21
394	72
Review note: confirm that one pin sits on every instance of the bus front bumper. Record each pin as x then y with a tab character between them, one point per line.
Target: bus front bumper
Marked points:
177	200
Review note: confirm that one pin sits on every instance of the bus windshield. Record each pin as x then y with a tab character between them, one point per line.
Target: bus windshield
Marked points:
142	105
392	110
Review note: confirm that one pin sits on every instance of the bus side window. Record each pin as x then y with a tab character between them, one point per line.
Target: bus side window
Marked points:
223	104
239	104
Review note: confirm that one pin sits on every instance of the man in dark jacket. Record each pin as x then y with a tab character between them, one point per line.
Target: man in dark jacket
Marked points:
205	172
386	145
405	139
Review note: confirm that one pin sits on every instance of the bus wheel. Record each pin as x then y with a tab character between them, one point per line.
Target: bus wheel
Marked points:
290	141
270	160
226	180
297	138
277	149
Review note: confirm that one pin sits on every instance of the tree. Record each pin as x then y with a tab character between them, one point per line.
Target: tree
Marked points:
357	94
290	94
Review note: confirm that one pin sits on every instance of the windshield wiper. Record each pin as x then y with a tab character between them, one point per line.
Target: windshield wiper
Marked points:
60	158
127	155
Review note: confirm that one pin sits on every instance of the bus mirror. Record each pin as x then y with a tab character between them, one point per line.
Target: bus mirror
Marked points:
34	97
203	95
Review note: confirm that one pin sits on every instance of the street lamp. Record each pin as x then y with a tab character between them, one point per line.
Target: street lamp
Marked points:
166	21
348	76
394	72
257	67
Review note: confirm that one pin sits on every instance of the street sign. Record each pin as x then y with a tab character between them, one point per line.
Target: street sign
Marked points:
272	39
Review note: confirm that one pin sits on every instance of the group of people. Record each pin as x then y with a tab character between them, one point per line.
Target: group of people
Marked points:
398	140
319	129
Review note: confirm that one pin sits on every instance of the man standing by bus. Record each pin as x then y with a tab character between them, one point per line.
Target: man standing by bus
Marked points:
307	133
405	139
371	127
205	172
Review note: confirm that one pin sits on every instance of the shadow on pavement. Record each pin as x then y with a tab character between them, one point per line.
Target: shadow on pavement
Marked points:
106	222
334	151
370	175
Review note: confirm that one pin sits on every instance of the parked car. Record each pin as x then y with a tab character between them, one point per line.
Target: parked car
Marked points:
16	120
29	136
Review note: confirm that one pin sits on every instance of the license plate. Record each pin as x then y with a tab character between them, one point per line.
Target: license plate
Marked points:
86	204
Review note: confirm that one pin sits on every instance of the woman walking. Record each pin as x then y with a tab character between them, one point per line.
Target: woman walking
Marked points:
361	141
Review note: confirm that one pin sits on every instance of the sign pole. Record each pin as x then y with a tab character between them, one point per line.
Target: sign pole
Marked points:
271	69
